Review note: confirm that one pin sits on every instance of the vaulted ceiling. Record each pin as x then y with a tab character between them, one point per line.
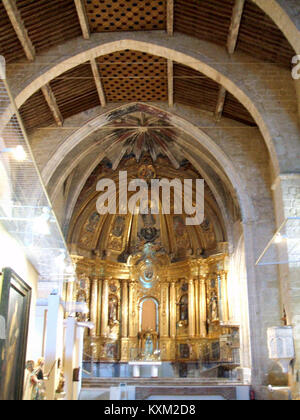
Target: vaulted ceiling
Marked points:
131	76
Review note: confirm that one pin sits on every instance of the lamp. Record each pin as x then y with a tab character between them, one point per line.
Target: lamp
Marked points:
17	152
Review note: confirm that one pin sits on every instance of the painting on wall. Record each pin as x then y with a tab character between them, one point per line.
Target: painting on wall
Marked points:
112	351
15	298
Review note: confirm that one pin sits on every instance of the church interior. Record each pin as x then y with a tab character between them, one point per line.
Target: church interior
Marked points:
144	305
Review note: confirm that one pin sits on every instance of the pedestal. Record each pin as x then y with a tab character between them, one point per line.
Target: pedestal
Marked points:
137	368
136	371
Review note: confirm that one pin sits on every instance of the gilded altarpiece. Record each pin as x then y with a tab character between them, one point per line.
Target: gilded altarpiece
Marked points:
192	308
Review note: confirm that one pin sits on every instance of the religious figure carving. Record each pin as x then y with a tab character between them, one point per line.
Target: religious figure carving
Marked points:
214	311
119	226
184	307
92	223
148	234
30	382
112	310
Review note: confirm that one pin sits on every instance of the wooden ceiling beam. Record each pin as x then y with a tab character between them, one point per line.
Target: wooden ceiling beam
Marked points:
19	27
170	17
232	40
98	82
83	19
171	83
220	103
51	101
235	25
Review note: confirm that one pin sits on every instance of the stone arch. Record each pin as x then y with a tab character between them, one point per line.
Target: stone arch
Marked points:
278	11
159	46
194	132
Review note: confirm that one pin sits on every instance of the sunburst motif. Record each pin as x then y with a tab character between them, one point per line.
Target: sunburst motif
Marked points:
141	134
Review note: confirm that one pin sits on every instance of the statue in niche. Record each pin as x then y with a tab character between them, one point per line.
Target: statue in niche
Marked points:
149	234
92	223
81	298
119	226
146	172
149	346
112	310
184	308
284	318
214	312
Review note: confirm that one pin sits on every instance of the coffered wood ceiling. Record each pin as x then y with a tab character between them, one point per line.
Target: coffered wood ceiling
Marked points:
130	76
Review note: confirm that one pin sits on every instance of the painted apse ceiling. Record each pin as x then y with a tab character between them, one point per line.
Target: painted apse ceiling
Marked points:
142	141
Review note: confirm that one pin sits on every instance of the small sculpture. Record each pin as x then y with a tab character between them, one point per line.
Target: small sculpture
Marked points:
112	310
61	383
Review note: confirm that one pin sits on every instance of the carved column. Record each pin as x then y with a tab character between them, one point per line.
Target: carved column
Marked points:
173	310
124	309
132	310
164	312
203	307
93	308
224	301
197	314
124	323
104	316
99	308
191	309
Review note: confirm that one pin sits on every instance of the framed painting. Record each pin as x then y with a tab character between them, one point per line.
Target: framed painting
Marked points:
15	298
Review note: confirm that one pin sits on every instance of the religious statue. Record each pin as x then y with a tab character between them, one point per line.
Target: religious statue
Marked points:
39	369
149	234
34	389
184	307
119	226
30	381
214	312
92	223
149	346
112	310
61	383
